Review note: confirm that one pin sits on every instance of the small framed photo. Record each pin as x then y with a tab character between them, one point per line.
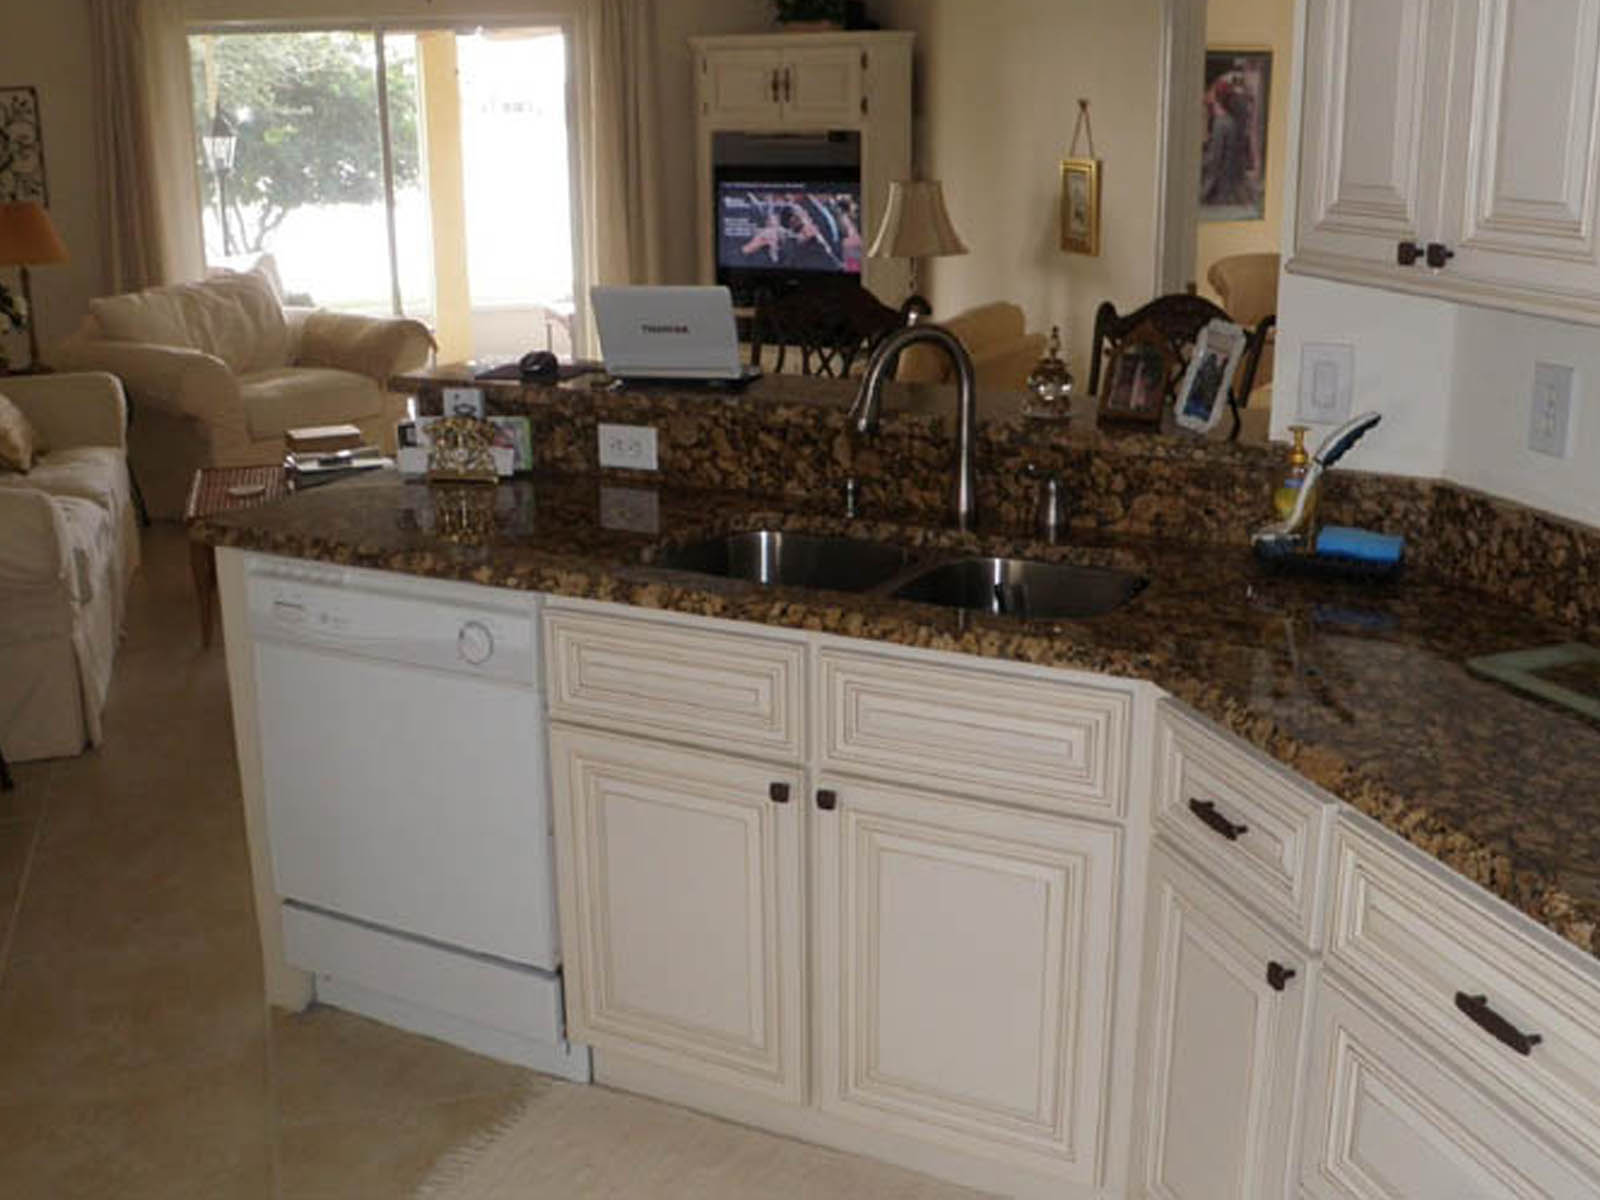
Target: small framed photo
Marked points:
1135	390
1080	205
516	435
463	402
1203	394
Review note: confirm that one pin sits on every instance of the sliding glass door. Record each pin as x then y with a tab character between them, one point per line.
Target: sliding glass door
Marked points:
419	172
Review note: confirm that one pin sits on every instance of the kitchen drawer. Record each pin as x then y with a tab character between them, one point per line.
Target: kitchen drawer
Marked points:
1430	942
723	690
987	733
1258	828
1388	1118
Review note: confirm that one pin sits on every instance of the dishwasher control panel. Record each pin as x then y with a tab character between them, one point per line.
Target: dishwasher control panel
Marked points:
394	618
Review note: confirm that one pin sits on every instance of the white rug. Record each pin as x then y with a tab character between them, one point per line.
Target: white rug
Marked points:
570	1141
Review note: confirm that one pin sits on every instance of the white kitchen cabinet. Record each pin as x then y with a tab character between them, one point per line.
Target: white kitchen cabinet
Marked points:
1390	1118
680	889
742	86
965	962
1222	1030
789	81
824	86
1471	127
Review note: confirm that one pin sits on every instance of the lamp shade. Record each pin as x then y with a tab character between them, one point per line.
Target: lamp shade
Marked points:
27	238
916	224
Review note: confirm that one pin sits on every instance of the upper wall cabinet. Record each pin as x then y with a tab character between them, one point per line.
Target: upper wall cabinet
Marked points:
1449	147
810	82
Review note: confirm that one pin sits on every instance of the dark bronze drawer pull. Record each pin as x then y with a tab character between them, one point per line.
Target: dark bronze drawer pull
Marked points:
1485	1018
779	793
827	799
1206	810
1278	976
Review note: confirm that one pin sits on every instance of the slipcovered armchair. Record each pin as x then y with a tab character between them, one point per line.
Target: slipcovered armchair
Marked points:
217	372
1003	352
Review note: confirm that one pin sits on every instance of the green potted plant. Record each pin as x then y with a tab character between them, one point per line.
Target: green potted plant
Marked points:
798	16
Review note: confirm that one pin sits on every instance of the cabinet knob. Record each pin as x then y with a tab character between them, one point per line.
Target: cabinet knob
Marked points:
779	793
1278	976
1409	253
827	799
1439	254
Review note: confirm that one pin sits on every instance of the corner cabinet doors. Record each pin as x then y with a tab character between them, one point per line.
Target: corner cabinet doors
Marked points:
1224	1005
680	907
792	87
742	87
965	960
822	86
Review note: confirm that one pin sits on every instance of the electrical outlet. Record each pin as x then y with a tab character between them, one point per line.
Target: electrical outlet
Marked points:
1327	378
631	447
1550	420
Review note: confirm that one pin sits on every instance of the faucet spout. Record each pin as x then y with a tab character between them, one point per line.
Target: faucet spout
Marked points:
868	406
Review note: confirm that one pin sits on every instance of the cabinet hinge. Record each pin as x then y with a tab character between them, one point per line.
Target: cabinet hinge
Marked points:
863	106
863	60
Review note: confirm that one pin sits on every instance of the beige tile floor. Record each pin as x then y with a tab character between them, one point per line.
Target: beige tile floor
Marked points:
137	1058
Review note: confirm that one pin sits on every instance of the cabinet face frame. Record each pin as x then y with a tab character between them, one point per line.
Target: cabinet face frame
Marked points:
592	775
1187	913
1072	865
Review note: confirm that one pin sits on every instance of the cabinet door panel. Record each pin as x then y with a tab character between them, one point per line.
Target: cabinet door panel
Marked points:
1220	1046
965	960
680	911
1367	155
1389	1118
742	87
1528	203
822	87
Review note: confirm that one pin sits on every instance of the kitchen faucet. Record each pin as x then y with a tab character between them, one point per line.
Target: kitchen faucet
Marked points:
869	402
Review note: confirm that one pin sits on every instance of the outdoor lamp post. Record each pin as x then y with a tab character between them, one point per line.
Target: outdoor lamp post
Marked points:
219	146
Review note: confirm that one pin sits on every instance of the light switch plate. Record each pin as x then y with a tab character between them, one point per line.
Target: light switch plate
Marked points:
1550	416
630	447
1327	379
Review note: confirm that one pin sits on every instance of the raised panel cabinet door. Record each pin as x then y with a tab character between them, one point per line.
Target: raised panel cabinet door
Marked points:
1525	183
965	959
679	880
742	88
822	87
1371	136
1390	1118
1220	1035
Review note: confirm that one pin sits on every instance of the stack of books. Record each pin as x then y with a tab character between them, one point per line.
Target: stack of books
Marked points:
322	453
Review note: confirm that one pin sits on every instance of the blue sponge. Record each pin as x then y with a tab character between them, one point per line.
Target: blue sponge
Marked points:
1360	545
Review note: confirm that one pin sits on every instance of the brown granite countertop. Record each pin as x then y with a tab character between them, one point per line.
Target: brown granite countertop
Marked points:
1361	689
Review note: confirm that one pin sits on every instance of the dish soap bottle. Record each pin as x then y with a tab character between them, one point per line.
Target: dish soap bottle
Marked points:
1288	492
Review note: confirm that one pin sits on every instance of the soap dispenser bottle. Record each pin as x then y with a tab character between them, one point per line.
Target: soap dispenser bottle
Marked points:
1283	499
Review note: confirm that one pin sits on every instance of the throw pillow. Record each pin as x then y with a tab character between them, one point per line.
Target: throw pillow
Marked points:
18	443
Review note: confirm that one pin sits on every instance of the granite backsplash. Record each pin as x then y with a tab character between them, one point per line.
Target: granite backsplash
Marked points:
788	437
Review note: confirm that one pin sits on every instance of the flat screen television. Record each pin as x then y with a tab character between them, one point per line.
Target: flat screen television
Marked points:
797	223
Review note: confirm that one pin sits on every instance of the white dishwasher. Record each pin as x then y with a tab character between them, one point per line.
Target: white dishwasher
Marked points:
401	726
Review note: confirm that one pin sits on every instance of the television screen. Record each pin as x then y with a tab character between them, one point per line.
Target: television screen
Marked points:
789	226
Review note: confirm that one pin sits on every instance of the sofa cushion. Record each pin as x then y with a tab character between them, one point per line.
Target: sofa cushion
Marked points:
18	442
96	473
284	399
235	317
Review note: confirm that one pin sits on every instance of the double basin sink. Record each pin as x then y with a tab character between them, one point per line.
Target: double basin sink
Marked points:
1011	587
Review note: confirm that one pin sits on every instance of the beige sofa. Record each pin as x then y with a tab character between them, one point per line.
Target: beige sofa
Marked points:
997	337
69	544
217	371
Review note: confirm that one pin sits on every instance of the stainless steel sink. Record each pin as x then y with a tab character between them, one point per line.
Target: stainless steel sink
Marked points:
791	559
1015	587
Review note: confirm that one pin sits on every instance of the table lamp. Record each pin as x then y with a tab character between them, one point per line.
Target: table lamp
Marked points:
916	226
28	239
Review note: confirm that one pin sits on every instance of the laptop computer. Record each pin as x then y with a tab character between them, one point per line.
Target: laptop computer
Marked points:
679	333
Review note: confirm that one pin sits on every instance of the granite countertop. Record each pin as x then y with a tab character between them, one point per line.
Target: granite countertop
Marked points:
1361	689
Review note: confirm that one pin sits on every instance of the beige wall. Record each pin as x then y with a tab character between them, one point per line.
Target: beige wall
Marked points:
996	93
47	45
1253	25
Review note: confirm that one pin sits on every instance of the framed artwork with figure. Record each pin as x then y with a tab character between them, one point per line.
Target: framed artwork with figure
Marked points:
1080	205
21	148
1233	165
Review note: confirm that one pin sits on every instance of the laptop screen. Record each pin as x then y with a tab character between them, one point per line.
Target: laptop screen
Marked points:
667	332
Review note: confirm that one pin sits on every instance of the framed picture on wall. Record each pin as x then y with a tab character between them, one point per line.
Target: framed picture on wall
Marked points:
1080	205
1233	165
21	148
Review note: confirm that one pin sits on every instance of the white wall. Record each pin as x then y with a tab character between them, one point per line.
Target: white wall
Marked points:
996	98
47	45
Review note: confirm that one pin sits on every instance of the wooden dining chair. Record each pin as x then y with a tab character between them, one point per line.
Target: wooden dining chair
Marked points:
833	326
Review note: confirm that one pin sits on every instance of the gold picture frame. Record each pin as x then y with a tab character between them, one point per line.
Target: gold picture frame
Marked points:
1080	206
